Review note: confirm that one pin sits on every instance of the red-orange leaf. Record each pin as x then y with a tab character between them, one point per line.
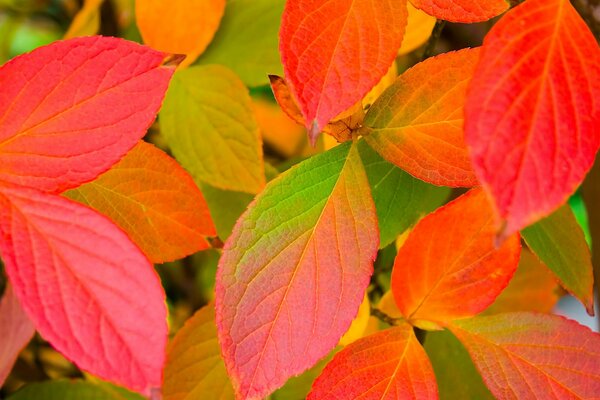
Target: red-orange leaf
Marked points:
335	51
387	365
70	110
294	271
448	267
16	330
417	123
533	356
462	10
532	118
87	288
155	201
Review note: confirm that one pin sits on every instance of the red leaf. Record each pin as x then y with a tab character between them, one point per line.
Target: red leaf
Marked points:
533	356
70	110
449	268
386	365
462	10
88	289
335	51
295	270
16	330
532	118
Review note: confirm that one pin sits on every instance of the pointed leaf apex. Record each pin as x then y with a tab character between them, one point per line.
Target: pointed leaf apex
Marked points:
313	133
173	60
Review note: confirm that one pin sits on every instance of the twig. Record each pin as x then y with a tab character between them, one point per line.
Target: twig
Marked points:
380	315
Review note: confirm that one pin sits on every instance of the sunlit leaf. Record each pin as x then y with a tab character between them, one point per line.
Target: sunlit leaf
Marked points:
418	30
71	390
462	10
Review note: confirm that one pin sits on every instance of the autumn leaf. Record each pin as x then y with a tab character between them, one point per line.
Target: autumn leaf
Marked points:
50	100
208	121
418	30
87	20
359	325
295	270
324	62
16	330
256	56
532	288
195	353
465	11
449	267
400	199
417	123
109	319
72	390
155	201
559	242
179	27
526	355
386	365
532	115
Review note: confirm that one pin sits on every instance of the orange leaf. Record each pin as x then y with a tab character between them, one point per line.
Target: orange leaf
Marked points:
462	10
532	117
283	134
154	200
386	365
533	356
533	288
325	59
449	268
179	27
417	123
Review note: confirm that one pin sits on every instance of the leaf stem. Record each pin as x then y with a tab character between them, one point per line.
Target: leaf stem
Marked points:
380	315
433	39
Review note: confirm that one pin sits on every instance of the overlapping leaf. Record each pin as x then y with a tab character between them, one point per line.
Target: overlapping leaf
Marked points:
194	367
16	330
386	365
465	11
532	118
559	242
295	270
208	122
155	201
256	56
418	29
399	198
417	123
73	390
325	60
90	292
533	356
449	267
179	27
50	99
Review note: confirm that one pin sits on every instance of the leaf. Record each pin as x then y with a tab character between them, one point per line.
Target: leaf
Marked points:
532	116
194	367
155	201
324	62
386	365
465	11
532	288
225	207
358	326
86	21
400	199
208	121
295	270
417	123
88	289
71	390
278	131
179	27
418	30
55	133
449	267
525	355
256	56
455	374
16	330
559	242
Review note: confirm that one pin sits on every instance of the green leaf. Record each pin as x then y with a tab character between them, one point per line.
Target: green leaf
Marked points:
456	374
225	207
208	122
400	199
256	56
560	243
73	390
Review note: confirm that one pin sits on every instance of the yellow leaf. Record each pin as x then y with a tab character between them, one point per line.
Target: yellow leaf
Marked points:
418	30
87	20
359	325
179	27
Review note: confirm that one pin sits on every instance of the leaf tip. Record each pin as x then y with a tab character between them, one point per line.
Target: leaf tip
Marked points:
313	133
173	60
